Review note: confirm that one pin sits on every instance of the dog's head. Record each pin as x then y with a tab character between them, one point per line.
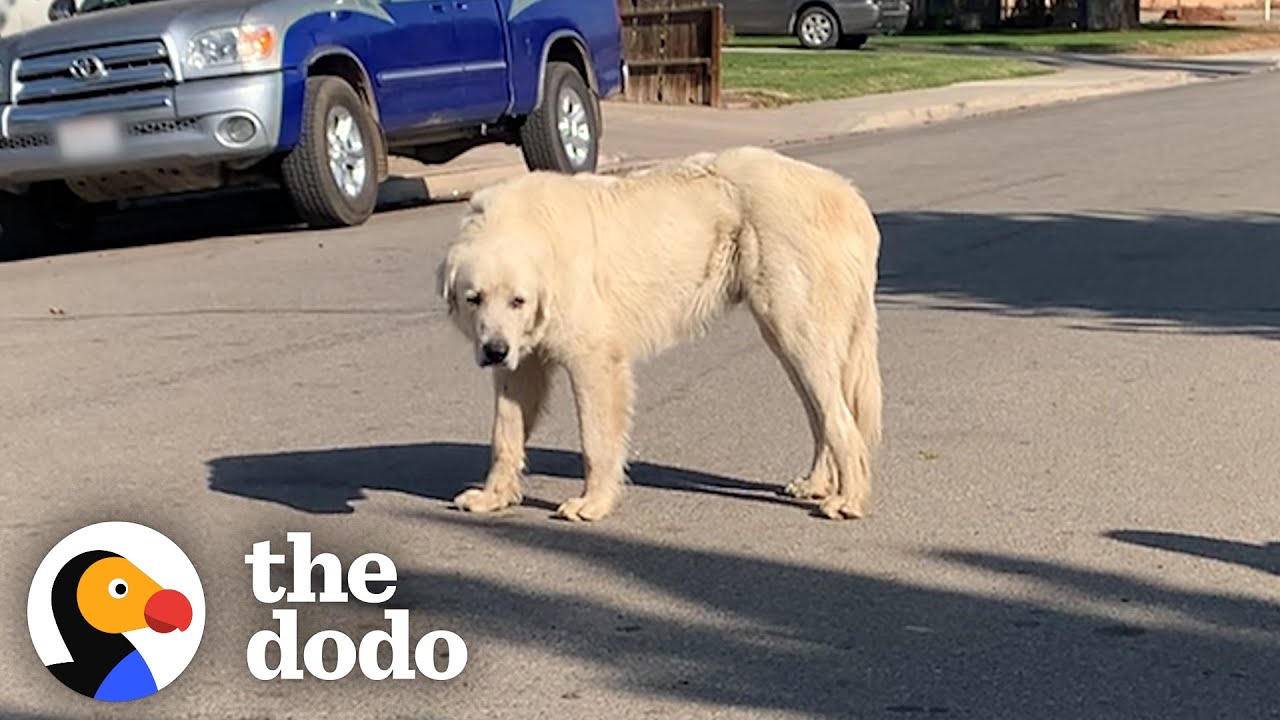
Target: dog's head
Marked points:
492	284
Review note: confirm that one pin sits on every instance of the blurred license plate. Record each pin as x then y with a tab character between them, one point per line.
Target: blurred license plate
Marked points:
92	138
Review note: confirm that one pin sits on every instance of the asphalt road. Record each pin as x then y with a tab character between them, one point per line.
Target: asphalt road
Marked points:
1076	509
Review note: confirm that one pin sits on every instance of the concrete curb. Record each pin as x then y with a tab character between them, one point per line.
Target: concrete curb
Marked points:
981	106
458	185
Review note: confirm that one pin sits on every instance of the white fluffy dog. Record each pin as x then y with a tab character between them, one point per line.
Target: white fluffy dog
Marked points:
593	273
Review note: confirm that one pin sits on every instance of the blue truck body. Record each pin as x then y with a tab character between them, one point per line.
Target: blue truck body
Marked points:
120	99
436	68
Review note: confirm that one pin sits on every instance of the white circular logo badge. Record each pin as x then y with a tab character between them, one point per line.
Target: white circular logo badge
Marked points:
116	611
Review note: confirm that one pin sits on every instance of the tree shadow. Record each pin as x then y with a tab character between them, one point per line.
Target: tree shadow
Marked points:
1265	557
1192	273
328	481
764	635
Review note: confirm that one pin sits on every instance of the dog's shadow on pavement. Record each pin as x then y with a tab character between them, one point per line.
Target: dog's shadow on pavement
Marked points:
328	481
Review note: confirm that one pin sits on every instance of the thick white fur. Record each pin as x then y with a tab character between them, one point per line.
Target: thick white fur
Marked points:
594	273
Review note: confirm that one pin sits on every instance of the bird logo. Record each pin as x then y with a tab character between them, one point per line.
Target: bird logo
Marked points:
116	611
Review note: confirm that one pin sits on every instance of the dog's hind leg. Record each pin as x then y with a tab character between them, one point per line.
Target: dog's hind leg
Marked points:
849	450
819	483
518	398
603	392
820	365
862	380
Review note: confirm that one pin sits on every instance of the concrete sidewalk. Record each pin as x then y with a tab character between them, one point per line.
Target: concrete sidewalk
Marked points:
635	133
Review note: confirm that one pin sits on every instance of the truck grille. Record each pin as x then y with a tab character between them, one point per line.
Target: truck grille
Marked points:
25	142
88	72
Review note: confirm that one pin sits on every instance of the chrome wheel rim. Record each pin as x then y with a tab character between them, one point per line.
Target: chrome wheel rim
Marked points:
574	124
816	29
346	151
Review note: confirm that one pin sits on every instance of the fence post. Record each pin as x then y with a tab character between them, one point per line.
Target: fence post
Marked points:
672	48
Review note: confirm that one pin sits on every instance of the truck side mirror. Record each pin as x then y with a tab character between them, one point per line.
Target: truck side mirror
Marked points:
61	9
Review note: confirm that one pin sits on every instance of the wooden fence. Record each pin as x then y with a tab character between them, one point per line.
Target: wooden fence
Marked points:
672	49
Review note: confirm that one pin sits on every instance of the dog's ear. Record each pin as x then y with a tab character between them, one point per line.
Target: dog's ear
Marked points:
542	311
479	199
478	204
446	274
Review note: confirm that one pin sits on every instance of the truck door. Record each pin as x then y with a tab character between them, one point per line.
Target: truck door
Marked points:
482	34
416	67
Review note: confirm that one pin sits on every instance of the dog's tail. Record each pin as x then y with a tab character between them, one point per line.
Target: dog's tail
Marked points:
862	383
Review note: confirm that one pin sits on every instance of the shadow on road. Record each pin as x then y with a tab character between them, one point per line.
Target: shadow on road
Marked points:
757	634
221	214
327	481
1190	273
205	216
775	636
1265	558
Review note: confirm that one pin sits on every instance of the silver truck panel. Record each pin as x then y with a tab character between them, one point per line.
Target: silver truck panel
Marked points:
171	128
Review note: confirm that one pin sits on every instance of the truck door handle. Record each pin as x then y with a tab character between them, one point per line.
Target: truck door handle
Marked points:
460	5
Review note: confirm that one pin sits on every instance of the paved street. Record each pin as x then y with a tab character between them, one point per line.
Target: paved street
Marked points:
1075	513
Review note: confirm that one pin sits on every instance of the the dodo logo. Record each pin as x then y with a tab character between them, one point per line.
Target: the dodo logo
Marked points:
116	611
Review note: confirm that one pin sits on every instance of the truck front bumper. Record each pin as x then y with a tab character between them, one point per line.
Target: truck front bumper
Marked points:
176	128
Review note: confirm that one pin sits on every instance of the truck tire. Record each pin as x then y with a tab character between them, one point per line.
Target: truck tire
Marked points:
817	28
332	173
563	133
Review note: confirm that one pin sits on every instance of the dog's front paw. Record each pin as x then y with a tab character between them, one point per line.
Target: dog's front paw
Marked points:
484	501
837	508
586	508
808	488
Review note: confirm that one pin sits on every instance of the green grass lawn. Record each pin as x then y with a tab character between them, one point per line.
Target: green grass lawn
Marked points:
1148	39
779	78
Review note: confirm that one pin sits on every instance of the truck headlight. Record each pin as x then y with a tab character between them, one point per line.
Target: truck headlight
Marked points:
220	47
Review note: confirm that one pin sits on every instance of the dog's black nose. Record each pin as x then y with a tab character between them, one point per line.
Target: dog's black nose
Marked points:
495	351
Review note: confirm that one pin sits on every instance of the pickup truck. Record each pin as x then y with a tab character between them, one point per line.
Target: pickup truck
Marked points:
125	99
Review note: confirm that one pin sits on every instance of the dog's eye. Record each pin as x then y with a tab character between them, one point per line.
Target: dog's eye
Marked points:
517	302
475	298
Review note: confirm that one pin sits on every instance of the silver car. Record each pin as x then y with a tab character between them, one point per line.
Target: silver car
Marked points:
818	25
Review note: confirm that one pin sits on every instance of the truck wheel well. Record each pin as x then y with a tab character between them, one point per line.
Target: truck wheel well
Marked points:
346	67
815	4
567	49
342	66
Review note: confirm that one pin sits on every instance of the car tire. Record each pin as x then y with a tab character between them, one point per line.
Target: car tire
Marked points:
332	173
563	133
852	42
817	28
